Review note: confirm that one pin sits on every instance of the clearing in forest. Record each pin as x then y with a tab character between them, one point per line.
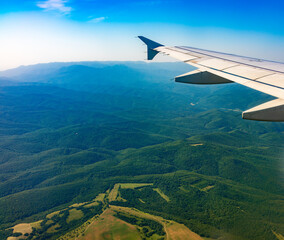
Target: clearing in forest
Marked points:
207	188
109	227
76	205
114	192
74	214
164	196
53	228
92	204
100	197
278	235
36	225
174	230
178	231
22	228
52	214
197	144
134	185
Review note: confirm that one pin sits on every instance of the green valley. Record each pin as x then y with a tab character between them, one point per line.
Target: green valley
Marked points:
90	143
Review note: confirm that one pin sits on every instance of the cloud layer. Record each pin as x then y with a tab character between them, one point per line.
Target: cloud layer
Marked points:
55	5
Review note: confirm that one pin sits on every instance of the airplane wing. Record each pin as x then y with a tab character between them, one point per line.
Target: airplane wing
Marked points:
215	68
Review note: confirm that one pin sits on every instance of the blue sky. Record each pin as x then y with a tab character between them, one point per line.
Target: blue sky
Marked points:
35	31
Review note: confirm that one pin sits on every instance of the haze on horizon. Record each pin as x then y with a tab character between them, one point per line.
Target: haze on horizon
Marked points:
39	31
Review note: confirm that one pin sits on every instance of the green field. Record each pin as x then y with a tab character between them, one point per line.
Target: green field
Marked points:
115	194
74	214
109	227
134	185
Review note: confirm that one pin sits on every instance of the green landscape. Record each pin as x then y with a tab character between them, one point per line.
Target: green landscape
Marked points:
93	143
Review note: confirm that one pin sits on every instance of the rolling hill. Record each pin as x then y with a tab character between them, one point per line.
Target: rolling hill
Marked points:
71	131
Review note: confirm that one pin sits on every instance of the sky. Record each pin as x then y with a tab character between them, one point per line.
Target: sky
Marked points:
41	31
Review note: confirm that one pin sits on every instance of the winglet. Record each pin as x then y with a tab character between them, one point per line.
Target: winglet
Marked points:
150	44
151	53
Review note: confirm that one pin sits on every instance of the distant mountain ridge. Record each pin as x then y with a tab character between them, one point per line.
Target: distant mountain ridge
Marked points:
69	132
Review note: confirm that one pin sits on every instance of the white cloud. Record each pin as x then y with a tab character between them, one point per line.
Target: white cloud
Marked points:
97	20
55	5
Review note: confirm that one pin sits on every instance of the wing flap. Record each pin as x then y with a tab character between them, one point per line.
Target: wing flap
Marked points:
257	85
275	80
217	64
248	72
201	77
269	111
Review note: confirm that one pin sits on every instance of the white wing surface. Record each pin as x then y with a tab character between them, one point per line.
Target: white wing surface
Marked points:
215	68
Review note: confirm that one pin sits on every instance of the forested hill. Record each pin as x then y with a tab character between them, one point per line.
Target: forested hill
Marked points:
69	131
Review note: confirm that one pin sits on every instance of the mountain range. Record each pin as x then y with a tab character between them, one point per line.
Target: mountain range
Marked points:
70	131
